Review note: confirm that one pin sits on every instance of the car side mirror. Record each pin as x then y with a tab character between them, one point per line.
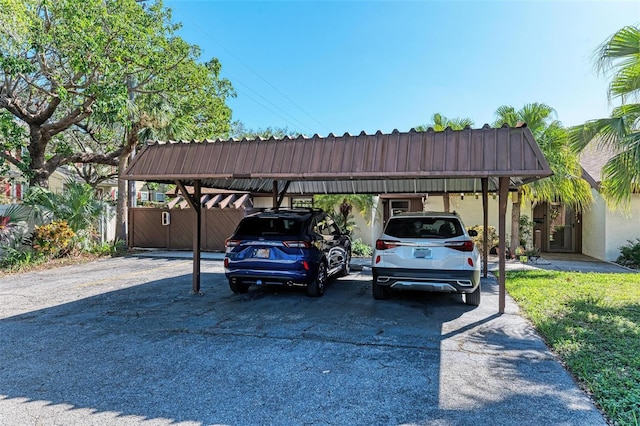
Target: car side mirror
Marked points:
473	233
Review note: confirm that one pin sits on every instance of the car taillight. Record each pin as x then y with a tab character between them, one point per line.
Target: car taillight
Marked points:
231	243
226	262
460	245
297	244
386	244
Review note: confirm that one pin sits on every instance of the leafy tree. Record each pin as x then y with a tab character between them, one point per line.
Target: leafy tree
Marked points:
91	81
620	55
66	64
439	123
240	131
566	183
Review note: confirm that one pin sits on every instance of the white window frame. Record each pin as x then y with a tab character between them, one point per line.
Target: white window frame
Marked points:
393	210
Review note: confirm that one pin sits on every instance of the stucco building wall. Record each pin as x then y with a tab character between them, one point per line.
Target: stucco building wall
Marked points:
594	234
621	227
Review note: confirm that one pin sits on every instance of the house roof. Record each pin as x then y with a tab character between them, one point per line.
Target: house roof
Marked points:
593	158
399	162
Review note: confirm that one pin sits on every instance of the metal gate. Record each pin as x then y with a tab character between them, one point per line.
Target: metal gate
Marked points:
173	228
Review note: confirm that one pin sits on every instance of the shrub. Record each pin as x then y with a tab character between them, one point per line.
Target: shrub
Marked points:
360	249
54	239
15	259
109	248
479	239
630	254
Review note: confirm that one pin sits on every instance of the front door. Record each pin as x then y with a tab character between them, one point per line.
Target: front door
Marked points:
562	228
557	228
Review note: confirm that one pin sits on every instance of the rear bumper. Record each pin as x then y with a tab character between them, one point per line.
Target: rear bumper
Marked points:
453	281
266	277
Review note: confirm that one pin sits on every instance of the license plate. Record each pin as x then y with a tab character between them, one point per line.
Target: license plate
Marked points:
262	253
422	253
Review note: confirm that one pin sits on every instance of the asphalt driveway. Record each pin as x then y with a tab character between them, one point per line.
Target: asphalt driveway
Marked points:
122	341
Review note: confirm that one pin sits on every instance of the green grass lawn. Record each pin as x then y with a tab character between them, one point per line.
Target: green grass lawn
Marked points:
592	321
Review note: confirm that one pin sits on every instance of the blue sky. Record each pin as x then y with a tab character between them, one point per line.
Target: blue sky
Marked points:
349	66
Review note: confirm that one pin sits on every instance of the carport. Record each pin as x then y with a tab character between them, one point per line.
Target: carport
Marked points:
471	160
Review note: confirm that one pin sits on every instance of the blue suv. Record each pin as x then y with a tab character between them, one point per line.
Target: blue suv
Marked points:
299	247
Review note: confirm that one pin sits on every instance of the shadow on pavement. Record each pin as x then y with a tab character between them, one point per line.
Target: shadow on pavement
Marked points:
153	352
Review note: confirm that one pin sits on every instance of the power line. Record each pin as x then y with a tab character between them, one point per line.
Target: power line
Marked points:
204	32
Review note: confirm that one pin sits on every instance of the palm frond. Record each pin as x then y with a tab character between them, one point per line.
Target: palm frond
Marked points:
621	175
624	43
626	82
606	131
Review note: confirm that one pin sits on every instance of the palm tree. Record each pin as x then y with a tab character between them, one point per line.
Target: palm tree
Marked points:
620	132
439	123
77	205
566	183
344	203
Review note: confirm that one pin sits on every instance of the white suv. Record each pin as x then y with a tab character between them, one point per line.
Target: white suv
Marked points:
426	251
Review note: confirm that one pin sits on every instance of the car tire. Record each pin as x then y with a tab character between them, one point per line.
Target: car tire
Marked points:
238	287
380	292
346	268
473	299
316	287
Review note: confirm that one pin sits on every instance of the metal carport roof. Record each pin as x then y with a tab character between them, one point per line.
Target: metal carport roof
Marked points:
468	160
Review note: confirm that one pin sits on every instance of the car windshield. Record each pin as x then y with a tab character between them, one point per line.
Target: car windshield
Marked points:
424	227
265	226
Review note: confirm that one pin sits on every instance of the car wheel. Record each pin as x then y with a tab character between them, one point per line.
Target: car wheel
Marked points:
238	287
380	292
346	268
473	298
316	287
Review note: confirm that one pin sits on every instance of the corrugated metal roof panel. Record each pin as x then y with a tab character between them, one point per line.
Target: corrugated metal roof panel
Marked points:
448	161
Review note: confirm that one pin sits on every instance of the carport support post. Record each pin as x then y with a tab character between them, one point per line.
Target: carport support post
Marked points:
197	237
275	194
485	225
194	203
503	195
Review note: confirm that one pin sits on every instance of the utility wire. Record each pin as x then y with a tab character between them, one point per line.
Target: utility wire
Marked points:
204	32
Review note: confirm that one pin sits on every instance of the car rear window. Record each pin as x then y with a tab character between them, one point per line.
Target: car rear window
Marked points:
424	227
269	226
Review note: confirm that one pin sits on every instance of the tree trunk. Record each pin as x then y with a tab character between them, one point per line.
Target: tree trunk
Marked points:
121	206
446	201
40	174
515	222
123	161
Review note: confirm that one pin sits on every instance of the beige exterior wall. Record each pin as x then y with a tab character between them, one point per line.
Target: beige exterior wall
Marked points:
605	230
594	234
56	182
621	227
469	209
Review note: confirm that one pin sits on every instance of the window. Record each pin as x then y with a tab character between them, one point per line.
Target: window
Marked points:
144	196
159	197
399	206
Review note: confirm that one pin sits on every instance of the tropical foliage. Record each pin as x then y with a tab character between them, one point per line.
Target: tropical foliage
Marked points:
619	57
439	123
566	183
13	228
341	206
77	205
